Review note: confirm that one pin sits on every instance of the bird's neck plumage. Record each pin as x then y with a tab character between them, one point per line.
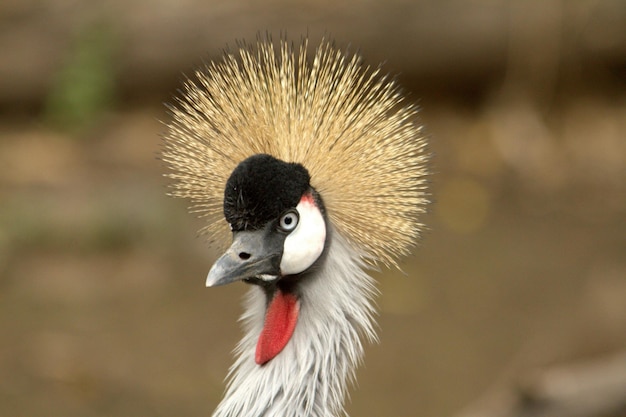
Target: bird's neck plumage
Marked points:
310	376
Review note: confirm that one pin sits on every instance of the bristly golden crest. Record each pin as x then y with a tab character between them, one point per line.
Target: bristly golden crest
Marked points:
347	124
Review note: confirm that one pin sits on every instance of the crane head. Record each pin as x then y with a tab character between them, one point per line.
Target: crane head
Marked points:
279	232
246	122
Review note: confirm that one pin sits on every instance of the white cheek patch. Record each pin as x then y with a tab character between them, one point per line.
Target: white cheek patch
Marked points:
305	244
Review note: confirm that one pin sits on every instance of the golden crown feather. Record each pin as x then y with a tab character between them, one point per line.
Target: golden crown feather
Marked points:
348	124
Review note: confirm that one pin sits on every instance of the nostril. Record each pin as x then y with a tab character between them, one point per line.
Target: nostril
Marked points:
244	255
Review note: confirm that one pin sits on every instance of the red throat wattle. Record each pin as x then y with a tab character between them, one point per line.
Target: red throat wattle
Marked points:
280	321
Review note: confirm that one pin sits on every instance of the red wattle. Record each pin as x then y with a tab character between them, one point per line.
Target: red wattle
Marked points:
280	321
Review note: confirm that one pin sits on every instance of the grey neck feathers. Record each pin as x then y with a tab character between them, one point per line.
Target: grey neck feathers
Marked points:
310	376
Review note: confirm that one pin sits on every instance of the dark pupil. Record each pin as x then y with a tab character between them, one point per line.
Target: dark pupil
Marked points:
288	220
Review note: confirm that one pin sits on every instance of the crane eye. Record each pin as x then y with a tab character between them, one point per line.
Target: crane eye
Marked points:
288	221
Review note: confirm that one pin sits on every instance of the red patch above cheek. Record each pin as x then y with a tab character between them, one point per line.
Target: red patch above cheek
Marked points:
308	198
280	322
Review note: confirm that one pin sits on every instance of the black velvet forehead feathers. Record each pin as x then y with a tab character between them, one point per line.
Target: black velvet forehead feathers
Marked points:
260	189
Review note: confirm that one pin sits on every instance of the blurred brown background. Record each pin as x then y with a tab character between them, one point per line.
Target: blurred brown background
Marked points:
103	309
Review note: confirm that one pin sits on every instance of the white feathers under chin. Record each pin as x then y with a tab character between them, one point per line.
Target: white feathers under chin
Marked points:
310	376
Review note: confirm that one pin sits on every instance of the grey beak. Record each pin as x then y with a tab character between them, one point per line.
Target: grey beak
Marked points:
253	254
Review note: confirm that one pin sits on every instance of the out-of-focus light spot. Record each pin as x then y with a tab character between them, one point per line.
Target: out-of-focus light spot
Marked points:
463	205
476	153
526	144
403	293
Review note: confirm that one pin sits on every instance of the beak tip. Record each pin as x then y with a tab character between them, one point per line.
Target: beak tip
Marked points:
209	283
211	279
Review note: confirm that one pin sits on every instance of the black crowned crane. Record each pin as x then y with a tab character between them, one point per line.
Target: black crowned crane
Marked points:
318	165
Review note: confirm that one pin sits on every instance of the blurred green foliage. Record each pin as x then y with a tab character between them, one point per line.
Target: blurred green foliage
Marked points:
84	87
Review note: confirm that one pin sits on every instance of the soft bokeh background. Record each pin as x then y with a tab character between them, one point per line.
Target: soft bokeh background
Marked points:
103	309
